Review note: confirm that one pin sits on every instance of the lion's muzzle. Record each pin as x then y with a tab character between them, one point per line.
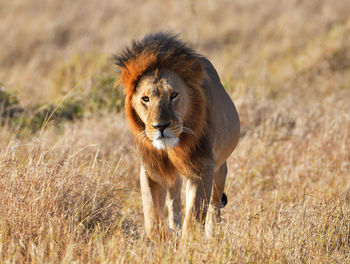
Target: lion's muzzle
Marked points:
161	127
163	137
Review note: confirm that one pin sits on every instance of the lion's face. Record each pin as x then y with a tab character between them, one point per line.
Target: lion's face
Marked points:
161	101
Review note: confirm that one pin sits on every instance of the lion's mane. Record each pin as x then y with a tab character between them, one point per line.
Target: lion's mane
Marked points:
153	53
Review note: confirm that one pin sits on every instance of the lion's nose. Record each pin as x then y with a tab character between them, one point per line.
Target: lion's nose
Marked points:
161	126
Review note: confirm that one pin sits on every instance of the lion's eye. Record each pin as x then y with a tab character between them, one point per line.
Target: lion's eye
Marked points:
173	95
145	98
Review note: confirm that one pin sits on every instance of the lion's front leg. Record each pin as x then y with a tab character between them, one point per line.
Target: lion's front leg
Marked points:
198	192
153	199
174	204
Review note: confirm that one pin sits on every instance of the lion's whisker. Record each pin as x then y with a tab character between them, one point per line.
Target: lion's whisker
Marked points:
141	136
188	131
143	132
176	126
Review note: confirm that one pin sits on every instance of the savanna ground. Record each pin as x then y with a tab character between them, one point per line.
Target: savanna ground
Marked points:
69	189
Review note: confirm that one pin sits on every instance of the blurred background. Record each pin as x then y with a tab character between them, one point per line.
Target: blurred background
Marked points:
69	186
263	48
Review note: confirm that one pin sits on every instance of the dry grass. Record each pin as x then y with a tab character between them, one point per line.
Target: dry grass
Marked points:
72	194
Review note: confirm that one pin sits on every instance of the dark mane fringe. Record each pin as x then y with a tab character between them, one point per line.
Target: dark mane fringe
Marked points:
158	50
165	51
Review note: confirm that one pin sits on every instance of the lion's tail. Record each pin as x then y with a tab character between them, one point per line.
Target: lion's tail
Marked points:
224	199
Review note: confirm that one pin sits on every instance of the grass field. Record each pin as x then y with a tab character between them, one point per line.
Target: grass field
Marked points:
69	190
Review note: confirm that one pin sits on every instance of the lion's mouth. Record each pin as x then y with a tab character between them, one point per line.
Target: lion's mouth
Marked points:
164	138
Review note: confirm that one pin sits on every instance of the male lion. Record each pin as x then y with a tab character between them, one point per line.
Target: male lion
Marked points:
185	126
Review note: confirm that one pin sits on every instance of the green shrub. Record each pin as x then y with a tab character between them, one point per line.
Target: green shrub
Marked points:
7	98
105	96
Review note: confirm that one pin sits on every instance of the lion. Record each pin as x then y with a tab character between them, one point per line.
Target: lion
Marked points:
184	125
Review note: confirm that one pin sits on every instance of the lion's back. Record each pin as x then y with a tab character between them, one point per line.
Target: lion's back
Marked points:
224	120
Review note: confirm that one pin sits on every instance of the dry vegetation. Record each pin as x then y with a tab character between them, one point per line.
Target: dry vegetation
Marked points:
69	191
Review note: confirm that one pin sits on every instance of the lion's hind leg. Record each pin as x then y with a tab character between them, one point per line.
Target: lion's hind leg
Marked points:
217	195
217	201
198	193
